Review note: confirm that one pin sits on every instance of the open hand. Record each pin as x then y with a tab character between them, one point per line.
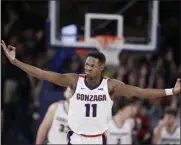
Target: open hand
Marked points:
177	87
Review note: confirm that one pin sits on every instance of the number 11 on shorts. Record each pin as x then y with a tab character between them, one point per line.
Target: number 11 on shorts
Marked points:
88	107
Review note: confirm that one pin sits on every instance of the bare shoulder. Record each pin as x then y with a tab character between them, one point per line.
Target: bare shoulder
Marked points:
131	122
112	83
53	107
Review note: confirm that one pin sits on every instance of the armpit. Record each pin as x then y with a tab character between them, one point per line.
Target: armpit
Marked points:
112	85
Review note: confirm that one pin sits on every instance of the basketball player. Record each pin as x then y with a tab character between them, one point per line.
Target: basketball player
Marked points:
55	123
90	108
167	131
121	126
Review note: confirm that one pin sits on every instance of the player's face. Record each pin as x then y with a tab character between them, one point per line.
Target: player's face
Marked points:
135	109
169	119
93	67
128	111
68	93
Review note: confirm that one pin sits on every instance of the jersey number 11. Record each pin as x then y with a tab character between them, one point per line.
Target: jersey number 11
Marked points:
88	108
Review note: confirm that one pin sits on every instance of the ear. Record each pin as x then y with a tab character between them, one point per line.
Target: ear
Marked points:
102	67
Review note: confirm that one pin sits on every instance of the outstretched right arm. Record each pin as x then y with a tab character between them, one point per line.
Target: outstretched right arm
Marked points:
56	78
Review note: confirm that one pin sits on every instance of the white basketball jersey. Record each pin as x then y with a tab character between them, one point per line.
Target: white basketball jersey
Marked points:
167	138
59	128
90	110
119	135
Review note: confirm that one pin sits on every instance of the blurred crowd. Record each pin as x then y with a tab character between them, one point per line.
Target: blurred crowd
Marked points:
24	28
150	71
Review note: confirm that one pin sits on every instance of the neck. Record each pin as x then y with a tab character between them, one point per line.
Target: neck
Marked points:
93	81
171	128
119	119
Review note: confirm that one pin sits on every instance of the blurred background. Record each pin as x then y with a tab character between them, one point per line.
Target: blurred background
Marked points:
29	27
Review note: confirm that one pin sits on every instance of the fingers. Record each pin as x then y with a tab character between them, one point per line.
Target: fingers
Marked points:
8	48
12	47
178	83
3	43
4	46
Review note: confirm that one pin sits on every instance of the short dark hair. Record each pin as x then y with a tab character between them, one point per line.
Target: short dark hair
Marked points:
171	111
98	55
136	100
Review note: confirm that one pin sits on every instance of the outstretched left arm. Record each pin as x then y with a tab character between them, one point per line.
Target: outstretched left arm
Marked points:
130	91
